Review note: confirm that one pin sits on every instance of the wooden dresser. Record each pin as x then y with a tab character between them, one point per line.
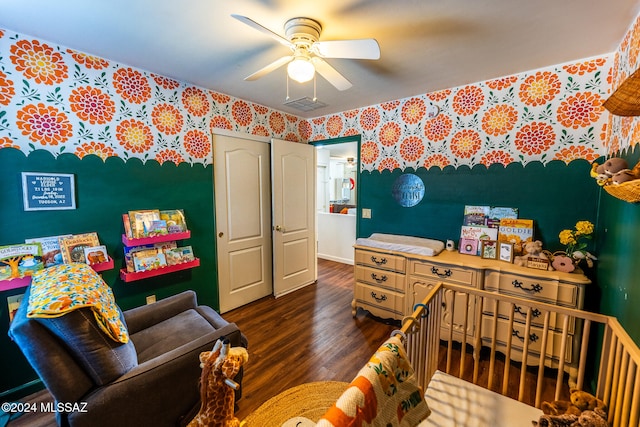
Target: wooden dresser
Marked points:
388	284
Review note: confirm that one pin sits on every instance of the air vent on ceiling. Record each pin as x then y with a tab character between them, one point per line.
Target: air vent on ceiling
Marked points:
305	104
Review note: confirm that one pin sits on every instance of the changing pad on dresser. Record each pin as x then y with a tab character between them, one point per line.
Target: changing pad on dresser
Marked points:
458	403
409	244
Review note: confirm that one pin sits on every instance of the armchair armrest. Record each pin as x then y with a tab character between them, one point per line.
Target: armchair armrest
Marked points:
145	316
167	386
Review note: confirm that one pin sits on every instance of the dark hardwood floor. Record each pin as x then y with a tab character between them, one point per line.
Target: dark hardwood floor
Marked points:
307	335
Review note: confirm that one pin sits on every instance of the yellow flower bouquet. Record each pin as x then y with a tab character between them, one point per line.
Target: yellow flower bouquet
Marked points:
574	240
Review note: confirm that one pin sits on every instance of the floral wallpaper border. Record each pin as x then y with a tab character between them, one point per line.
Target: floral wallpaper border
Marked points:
61	100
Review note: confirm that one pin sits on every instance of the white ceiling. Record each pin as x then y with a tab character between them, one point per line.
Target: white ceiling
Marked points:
426	45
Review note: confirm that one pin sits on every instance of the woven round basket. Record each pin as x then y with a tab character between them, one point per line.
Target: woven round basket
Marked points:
310	400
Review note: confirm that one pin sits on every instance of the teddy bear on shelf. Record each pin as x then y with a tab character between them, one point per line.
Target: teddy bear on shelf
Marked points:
531	250
582	410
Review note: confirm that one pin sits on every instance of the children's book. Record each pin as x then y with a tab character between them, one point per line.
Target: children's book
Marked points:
141	221
13	303
72	247
126	222
516	231
130	250
20	260
155	228
477	233
148	259
96	254
179	255
475	215
496	213
175	220
50	249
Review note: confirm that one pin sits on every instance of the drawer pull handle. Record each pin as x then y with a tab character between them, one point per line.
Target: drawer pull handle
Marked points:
381	298
436	271
534	313
380	279
532	337
535	287
381	261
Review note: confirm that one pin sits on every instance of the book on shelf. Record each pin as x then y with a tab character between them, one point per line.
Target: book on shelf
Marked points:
148	259
20	260
13	303
516	231
96	254
72	247
126	222
496	213
477	233
175	220
51	254
179	255
141	221
475	215
156	227
130	250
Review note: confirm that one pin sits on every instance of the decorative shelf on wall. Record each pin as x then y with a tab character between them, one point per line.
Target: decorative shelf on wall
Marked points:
138	275
155	239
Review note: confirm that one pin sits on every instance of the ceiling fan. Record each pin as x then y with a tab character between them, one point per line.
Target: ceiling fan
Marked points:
302	37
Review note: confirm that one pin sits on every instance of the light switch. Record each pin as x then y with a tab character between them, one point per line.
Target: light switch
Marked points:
366	213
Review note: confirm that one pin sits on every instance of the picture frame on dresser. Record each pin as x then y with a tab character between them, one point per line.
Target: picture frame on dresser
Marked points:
505	252
489	249
468	246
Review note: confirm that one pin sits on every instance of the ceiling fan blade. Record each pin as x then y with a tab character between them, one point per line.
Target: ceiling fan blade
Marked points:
330	74
269	68
353	49
250	22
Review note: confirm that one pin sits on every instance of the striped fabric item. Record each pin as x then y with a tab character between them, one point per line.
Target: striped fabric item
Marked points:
384	393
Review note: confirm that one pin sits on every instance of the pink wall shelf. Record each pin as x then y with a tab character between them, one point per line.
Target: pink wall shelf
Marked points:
138	275
23	282
155	239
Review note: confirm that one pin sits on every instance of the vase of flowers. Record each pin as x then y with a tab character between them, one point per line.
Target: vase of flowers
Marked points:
576	247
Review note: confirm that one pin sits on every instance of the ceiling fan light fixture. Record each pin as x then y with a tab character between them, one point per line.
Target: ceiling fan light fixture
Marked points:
301	70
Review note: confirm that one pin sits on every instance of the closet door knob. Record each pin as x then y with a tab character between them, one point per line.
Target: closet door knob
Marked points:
220	234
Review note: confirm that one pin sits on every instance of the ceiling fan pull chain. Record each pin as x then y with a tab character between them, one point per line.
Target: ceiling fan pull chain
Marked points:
315	98
287	77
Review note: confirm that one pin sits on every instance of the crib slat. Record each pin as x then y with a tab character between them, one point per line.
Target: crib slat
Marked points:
494	332
525	352
584	350
478	333
545	337
505	377
634	415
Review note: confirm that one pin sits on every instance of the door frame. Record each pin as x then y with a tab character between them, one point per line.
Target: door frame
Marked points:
353	138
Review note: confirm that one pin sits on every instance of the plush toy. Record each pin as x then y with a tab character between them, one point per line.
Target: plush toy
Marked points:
581	410
603	173
622	176
217	388
531	250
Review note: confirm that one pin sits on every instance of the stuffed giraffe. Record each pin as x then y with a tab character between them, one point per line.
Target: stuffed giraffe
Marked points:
217	388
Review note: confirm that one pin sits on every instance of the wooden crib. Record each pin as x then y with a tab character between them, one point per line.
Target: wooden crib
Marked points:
600	356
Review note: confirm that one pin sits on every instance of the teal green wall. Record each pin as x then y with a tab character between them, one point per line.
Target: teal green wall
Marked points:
555	196
618	273
104	191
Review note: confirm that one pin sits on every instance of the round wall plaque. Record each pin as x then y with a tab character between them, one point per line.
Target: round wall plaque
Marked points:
408	190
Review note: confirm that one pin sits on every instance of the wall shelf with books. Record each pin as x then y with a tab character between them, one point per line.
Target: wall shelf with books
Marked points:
132	241
138	275
151	244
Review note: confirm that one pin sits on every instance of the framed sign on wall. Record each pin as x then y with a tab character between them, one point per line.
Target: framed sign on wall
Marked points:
48	191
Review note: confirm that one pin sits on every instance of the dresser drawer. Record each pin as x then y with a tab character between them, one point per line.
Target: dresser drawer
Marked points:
517	334
443	272
372	296
537	288
380	260
380	278
556	321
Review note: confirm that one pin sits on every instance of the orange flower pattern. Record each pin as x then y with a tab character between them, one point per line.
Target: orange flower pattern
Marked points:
6	89
92	105
44	124
132	85
554	113
38	62
167	119
134	136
